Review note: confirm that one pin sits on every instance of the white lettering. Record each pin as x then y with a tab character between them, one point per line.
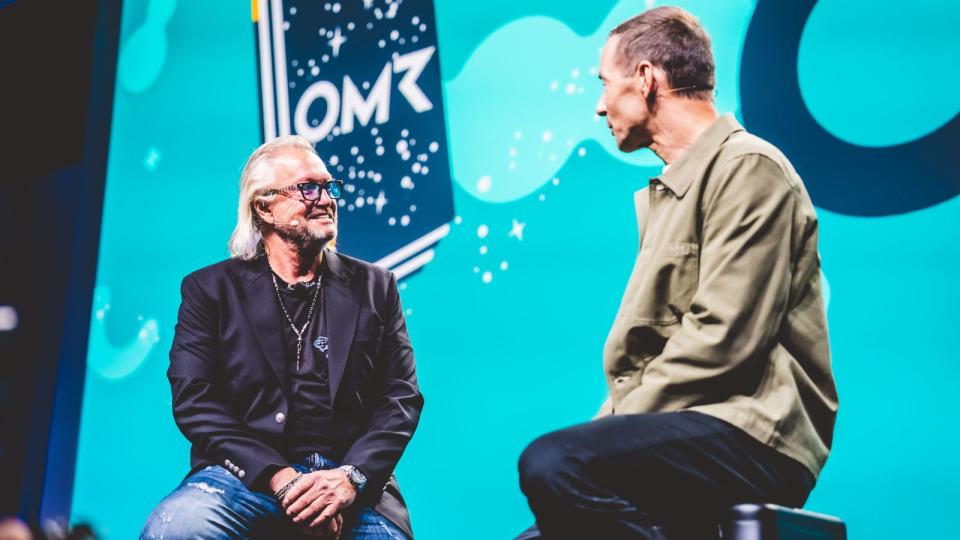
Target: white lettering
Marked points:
377	103
317	90
355	105
414	63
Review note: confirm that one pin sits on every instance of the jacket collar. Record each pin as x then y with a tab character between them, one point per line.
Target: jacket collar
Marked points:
334	266
679	175
337	267
341	300
259	300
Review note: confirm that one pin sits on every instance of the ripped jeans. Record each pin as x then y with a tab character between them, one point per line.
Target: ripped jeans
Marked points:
213	504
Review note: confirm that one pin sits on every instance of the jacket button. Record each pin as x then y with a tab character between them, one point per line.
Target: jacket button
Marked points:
280	417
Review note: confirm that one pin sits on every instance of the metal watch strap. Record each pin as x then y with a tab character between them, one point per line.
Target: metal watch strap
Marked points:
357	478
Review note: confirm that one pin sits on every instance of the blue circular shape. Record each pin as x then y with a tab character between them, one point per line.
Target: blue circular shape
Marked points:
876	77
840	176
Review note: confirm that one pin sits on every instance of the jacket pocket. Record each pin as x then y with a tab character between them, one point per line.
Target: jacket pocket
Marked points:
672	277
626	381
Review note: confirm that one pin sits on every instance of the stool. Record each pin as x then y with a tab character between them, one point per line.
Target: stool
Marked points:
772	522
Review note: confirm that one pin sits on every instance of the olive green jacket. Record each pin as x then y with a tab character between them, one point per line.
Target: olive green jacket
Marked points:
724	313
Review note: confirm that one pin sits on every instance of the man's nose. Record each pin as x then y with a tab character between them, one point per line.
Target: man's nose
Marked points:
601	108
323	201
325	197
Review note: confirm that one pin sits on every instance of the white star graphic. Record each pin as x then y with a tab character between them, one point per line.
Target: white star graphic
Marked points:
367	4
380	201
336	42
516	230
152	159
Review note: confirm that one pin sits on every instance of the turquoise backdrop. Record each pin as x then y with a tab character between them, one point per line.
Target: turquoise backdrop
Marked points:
509	319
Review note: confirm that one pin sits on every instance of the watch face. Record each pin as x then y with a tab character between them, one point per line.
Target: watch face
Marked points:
357	476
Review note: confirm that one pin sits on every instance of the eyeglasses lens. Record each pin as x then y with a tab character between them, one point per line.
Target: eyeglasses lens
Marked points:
311	190
333	188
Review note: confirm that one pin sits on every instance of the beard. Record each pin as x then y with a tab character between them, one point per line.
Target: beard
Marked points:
308	235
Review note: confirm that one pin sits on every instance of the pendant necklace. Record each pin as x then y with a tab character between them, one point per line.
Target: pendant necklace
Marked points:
299	333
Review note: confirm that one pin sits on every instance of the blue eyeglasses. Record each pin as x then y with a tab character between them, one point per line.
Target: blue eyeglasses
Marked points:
311	190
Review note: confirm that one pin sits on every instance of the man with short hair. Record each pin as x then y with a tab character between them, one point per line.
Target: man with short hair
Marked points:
718	362
292	373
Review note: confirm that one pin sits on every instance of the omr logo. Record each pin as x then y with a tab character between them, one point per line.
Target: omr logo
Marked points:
411	65
841	176
361	80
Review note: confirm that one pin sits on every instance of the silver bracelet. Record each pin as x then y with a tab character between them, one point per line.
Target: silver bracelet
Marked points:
286	487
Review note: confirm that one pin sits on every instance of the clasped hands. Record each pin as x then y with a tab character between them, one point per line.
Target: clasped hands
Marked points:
316	501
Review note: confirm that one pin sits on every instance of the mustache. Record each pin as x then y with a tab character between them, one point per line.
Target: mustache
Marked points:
331	213
319	210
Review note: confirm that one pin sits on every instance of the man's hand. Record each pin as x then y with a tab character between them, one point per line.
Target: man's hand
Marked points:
331	530
318	497
281	477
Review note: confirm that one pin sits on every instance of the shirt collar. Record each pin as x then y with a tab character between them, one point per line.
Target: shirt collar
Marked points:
681	172
331	266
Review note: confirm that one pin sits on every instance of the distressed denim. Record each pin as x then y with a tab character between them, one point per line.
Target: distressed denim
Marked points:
214	504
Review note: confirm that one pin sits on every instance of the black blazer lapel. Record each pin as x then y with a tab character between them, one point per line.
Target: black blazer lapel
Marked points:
259	301
343	308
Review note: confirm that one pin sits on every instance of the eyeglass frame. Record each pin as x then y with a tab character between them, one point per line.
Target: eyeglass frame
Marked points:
302	186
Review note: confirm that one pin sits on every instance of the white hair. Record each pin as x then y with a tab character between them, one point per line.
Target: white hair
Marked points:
246	242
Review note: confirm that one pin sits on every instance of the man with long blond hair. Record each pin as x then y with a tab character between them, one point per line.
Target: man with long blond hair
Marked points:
292	373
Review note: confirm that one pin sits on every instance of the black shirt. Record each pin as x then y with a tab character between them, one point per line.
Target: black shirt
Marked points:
310	419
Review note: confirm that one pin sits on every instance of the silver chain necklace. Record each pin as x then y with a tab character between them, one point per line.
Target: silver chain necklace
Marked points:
299	333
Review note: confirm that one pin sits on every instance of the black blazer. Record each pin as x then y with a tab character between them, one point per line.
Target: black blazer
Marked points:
229	379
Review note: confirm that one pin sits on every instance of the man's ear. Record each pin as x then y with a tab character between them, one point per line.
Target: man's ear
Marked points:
262	209
646	76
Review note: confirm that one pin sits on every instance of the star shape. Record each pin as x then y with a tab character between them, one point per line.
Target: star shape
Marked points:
380	201
152	159
367	4
516	230
336	42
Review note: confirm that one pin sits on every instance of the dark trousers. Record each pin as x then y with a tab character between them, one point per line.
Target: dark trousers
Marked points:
651	476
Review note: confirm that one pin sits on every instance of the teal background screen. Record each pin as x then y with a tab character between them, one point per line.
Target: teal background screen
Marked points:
509	319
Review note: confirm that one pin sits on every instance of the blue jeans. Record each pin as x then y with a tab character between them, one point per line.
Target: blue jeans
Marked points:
214	504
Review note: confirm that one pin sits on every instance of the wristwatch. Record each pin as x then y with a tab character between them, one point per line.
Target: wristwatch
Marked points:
357	478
